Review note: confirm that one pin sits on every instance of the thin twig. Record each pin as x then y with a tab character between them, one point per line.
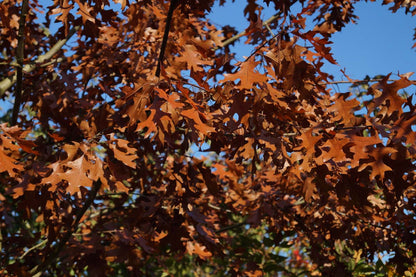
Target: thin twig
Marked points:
20	58
6	83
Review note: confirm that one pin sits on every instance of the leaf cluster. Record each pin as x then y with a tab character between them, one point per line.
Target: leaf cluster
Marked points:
209	167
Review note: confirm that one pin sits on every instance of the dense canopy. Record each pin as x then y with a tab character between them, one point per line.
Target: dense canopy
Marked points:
137	145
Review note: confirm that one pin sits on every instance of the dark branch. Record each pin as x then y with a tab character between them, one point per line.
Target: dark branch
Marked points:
172	6
20	58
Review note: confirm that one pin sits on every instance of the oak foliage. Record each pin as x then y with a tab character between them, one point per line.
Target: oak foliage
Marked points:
219	165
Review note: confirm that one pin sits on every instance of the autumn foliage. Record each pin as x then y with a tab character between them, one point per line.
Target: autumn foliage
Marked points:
209	166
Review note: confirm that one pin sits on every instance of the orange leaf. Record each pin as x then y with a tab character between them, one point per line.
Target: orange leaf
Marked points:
309	141
378	166
199	125
308	188
56	137
123	152
388	95
149	124
77	175
192	58
343	108
84	11
360	148
194	247
333	148
8	164
247	150
247	75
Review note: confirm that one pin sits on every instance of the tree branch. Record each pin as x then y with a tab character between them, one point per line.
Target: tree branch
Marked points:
356	82
53	256
40	244
227	228
243	33
20	58
172	6
261	46
6	83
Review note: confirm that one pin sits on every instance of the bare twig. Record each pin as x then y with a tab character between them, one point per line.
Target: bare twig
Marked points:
19	58
6	83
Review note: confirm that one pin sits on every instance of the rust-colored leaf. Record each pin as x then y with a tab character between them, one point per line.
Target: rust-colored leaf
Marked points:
76	176
123	152
192	58
196	248
247	75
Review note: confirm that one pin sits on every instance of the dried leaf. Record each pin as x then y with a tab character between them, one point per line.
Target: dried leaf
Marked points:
247	75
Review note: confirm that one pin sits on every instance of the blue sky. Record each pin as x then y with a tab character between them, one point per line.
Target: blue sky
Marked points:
380	43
